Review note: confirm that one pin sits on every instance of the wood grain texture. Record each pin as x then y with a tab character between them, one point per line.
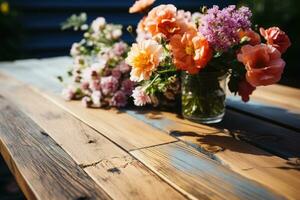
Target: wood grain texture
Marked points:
102	120
198	176
123	129
288	118
266	135
274	172
280	95
118	173
276	103
42	169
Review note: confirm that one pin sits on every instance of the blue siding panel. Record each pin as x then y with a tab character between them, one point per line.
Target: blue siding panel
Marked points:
41	20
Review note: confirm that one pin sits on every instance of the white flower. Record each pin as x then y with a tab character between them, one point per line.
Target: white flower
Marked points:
140	96
98	24
116	34
75	50
98	66
84	27
96	98
69	92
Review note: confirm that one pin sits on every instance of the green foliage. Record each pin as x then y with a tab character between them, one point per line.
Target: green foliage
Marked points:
75	21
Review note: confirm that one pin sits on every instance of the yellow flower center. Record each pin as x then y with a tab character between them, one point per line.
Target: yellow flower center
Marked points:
143	61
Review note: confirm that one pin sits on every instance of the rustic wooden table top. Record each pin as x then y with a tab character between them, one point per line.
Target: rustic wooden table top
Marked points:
61	150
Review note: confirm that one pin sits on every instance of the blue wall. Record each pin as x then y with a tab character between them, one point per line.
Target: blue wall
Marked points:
41	20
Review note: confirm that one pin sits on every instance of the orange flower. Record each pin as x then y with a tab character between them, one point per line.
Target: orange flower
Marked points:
277	38
144	58
263	64
140	5
163	19
253	36
191	52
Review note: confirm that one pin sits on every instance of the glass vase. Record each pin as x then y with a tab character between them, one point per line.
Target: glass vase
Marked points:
203	96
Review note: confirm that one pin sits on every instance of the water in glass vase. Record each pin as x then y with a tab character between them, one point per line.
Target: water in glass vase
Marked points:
203	96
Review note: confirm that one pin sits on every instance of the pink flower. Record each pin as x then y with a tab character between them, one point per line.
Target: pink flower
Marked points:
186	15
86	101
140	97
68	93
277	38
95	85
116	73
127	86
119	48
142	34
89	74
119	99
245	90
123	67
109	84
85	85
263	64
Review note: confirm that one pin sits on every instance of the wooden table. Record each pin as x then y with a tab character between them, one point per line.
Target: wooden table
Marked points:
61	150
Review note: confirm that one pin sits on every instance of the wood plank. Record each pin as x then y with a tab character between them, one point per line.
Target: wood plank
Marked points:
276	148
278	111
38	163
118	173
119	127
289	118
284	96
179	163
278	174
276	103
266	135
126	135
270	137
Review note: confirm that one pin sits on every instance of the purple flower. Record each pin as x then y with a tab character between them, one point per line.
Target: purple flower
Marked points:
109	84
119	99
127	86
220	27
140	96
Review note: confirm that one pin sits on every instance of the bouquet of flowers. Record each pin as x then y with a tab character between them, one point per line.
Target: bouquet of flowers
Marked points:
205	47
99	75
